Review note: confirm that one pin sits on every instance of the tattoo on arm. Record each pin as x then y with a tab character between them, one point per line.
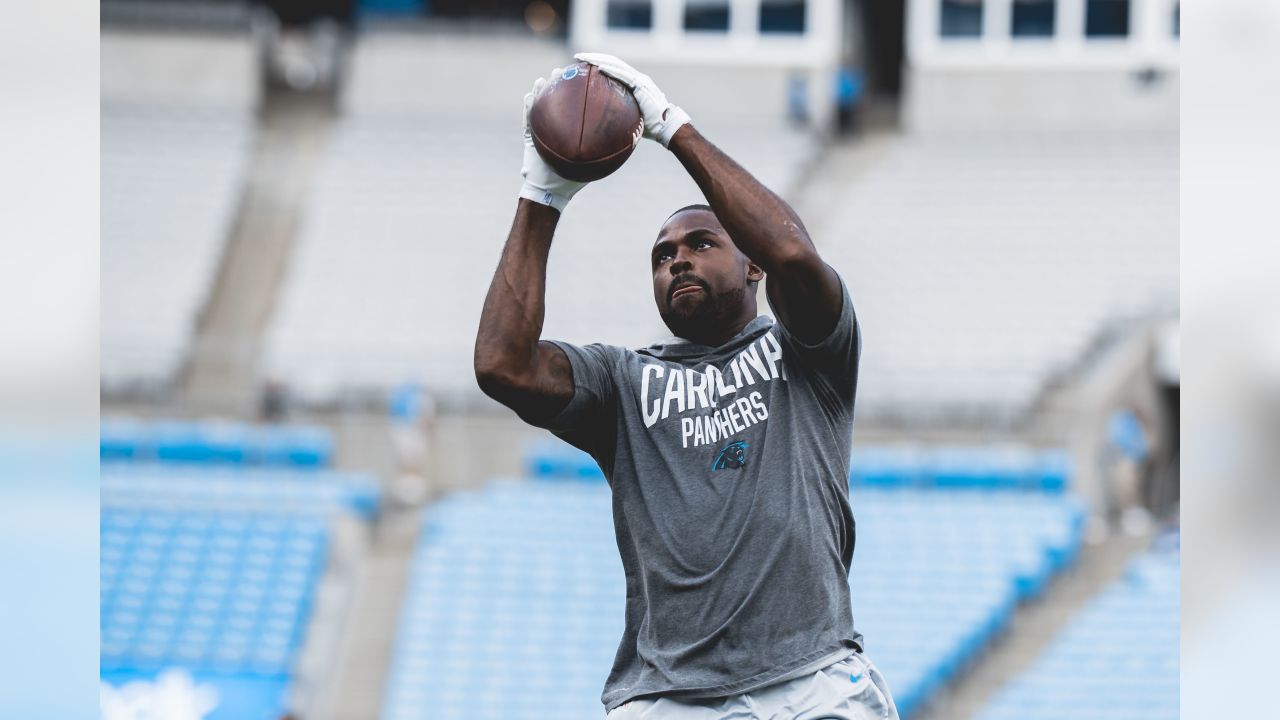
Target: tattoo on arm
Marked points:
560	369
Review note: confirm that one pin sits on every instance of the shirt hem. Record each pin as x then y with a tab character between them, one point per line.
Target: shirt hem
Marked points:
794	669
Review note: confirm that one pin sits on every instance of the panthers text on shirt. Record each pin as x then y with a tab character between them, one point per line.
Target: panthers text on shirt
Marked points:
665	389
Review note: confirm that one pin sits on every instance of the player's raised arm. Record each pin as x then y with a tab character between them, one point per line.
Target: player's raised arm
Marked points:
804	291
512	364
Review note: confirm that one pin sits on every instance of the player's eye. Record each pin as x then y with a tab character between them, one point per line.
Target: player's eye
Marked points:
703	243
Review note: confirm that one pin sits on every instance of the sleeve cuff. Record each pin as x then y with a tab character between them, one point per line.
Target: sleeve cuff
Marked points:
544	197
583	398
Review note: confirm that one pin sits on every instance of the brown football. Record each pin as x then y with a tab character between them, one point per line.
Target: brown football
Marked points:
584	123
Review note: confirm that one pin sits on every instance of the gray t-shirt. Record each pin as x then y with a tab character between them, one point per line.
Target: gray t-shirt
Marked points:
729	469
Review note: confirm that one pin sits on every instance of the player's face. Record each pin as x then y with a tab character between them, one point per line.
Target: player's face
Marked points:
699	275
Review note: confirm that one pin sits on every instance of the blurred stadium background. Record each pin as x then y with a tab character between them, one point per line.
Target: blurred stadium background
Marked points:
310	511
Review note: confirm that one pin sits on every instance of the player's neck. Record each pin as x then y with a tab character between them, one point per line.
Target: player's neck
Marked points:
715	337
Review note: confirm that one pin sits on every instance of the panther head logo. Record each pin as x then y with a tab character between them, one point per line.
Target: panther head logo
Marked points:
734	455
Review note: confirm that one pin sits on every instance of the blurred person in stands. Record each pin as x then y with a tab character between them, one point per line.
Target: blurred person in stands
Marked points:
273	404
726	446
1126	462
412	414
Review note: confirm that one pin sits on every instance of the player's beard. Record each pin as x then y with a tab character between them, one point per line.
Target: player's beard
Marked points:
707	317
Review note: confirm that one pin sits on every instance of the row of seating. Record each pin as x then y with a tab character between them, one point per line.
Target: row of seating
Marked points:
171	183
933	237
993	467
1085	241
517	590
208	578
985	265
1117	659
193	486
215	441
204	594
226	592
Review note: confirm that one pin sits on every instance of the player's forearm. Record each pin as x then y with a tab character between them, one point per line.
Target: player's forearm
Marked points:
761	224
511	321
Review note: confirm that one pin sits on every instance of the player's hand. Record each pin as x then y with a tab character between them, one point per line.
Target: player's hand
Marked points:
541	183
661	118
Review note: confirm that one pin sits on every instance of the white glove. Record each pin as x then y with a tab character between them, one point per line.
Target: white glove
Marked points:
541	183
661	118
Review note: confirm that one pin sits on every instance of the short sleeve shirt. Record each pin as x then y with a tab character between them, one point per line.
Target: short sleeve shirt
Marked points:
729	474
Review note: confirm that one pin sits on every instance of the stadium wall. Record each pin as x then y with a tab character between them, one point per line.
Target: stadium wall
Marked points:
200	68
977	98
981	64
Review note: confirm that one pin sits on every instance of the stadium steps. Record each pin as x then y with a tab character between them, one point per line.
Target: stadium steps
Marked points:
177	135
167	204
222	372
1117	657
364	656
842	163
1034	626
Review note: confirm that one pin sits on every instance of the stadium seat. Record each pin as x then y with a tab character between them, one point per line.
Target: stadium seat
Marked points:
215	442
938	235
157	485
222	595
171	183
1006	467
1117	659
210	566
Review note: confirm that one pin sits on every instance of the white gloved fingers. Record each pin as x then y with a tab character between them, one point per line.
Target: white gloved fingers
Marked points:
612	66
532	95
648	97
528	103
631	79
596	58
529	97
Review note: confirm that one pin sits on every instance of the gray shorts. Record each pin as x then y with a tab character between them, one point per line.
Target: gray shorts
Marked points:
848	689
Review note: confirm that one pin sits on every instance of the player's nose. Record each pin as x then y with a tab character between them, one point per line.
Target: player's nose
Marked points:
682	262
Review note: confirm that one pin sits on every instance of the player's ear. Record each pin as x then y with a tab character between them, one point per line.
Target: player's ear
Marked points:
755	273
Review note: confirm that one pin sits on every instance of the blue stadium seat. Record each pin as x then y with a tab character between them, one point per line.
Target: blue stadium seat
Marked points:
555	459
1117	659
184	589
220	595
978	467
211	569
162	484
214	442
